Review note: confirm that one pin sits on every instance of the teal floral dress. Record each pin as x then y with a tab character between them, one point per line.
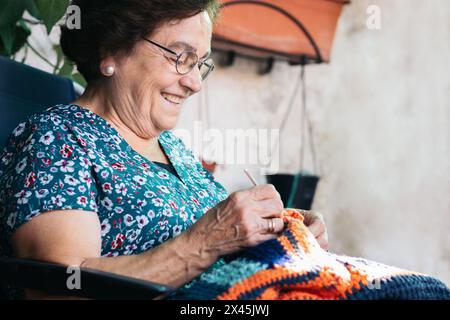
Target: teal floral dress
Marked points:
68	157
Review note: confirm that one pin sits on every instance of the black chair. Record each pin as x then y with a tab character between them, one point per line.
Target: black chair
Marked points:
23	91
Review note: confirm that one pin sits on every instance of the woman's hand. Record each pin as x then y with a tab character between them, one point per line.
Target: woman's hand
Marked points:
315	223
245	219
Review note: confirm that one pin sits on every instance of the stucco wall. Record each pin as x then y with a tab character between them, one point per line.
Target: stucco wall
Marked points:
380	112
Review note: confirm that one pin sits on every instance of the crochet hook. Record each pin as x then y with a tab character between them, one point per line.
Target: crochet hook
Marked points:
250	177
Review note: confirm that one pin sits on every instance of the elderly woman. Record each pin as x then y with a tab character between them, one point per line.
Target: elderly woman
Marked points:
102	182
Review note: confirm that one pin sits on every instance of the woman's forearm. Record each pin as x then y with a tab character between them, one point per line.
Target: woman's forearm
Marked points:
173	263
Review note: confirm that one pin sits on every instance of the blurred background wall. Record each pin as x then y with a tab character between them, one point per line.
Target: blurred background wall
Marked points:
380	112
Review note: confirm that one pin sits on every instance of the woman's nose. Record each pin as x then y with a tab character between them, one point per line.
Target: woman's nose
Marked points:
192	80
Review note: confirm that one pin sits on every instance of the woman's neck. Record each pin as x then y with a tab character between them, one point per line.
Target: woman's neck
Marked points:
96	102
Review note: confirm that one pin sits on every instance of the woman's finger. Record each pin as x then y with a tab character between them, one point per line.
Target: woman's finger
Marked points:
272	226
317	228
263	192
272	208
322	240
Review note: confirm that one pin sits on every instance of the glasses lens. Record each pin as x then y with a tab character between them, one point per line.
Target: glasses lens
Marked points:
186	62
206	68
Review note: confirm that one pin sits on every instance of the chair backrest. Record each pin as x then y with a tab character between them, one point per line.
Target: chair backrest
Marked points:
25	90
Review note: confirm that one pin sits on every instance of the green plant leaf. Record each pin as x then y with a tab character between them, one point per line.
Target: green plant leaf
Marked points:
10	11
78	78
59	56
51	11
30	6
13	38
8	34
66	69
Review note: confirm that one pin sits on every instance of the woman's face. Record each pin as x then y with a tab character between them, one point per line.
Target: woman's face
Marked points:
148	79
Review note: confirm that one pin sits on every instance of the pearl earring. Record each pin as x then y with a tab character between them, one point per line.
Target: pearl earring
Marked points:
109	70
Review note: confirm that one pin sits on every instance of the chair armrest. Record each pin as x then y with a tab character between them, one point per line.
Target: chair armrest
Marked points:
94	284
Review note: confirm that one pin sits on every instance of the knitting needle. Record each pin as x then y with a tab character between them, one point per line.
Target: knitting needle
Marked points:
250	177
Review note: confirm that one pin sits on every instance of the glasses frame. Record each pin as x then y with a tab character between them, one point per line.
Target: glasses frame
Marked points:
179	55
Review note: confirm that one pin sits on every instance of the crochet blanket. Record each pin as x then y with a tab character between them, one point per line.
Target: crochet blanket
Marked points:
293	266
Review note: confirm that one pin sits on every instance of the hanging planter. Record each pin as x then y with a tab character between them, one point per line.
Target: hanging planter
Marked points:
298	190
297	31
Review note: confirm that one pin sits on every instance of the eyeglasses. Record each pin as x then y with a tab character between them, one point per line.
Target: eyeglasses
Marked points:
186	61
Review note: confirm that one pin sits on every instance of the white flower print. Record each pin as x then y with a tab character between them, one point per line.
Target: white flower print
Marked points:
104	174
28	144
111	254
84	162
183	214
55	119
65	165
82	201
12	219
142	221
202	194
128	219
91	154
132	234
23	196
163	175
105	227
107	187
151	214
167	212
21	165
93	205
140	180
149	194
97	167
129	249
71	180
40	154
44	178
6	159
141	203
116	139
33	214
42	193
157	202
176	230
163	224
118	210
82	188
47	138
58	200
163	237
163	189
19	129
147	245
85	177
121	189
107	203
70	191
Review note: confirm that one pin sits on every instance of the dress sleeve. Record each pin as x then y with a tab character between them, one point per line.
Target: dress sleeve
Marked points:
44	168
